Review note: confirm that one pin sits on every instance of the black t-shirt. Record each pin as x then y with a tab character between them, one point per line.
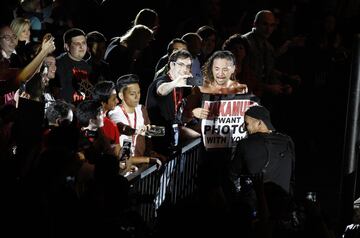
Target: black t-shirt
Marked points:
161	109
119	59
73	76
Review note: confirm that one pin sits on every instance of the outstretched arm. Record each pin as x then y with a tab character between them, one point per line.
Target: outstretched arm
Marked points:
165	88
48	46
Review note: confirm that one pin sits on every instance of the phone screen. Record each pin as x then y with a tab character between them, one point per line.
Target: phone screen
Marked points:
125	150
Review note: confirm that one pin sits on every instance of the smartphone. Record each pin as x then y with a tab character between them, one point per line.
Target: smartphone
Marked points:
125	150
155	131
47	37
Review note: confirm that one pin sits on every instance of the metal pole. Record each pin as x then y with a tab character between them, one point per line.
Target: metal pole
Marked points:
351	142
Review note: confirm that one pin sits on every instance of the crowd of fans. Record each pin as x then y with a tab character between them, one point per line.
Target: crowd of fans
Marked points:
73	90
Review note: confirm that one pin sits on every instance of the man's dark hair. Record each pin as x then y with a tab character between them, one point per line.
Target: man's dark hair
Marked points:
170	47
73	32
207	67
183	54
125	80
206	31
95	37
191	37
102	91
86	110
259	15
58	110
146	17
233	41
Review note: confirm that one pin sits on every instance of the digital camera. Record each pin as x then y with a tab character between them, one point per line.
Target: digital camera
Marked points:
155	131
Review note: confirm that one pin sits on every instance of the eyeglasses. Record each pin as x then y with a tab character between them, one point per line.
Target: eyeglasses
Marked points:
181	64
8	37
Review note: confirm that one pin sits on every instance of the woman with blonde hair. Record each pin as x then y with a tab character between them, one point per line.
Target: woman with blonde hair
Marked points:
21	28
25	49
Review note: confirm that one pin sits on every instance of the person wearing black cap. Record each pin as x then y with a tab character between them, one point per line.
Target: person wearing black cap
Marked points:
257	119
264	150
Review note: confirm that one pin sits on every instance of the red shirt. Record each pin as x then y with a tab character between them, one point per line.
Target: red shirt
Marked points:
110	131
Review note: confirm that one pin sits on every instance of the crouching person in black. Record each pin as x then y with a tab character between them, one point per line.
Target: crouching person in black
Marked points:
263	151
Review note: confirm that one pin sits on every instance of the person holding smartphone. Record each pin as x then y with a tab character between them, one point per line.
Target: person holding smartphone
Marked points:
132	120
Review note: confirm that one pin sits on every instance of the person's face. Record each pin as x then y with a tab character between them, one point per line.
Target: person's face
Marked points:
98	49
222	70
131	95
111	103
266	25
208	44
145	41
195	46
25	33
77	47
70	116
239	52
8	40
179	46
51	63
252	124
182	66
98	122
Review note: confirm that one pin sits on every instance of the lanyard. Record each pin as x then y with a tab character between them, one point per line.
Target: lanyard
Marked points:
177	96
128	119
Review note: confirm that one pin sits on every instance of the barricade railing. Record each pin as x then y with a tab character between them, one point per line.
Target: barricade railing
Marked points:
174	182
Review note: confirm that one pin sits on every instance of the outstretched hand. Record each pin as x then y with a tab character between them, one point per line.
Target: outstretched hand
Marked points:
48	44
143	129
155	161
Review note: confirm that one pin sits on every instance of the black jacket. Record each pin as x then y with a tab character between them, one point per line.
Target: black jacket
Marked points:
270	153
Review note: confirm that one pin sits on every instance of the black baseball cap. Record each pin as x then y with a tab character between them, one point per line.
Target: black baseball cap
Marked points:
260	113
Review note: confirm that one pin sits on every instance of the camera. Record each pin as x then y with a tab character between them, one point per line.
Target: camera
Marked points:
155	131
91	133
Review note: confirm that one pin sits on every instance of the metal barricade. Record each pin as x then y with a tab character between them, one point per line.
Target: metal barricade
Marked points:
174	182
